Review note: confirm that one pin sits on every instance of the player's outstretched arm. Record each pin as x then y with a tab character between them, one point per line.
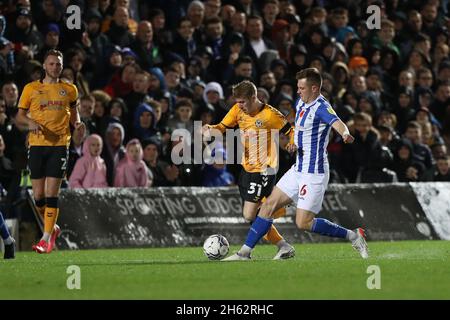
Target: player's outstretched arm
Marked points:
342	129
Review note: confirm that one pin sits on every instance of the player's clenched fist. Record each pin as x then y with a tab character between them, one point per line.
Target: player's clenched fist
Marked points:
348	138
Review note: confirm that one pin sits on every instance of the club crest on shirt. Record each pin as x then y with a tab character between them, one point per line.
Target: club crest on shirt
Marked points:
331	110
258	123
301	114
62	93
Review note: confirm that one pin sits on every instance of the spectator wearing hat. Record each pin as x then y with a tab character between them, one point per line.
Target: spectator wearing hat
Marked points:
279	69
149	54
24	35
128	55
358	65
184	43
98	50
51	40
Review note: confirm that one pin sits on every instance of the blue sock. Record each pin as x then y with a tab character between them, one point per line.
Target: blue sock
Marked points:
328	228
257	230
3	228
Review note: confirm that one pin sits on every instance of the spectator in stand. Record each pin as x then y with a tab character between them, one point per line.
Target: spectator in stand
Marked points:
421	152
131	170
215	174
404	165
121	83
144	124
119	32
87	106
113	151
356	156
440	171
90	169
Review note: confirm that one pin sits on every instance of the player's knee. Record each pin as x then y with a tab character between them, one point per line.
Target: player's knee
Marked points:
248	216
303	223
267	209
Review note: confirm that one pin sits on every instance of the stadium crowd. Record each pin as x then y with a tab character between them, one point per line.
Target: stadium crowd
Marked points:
144	68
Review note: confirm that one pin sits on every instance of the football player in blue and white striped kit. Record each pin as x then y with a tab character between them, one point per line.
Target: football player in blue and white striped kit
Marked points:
305	183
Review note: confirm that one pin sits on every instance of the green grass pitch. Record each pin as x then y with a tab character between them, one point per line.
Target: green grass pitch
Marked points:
408	270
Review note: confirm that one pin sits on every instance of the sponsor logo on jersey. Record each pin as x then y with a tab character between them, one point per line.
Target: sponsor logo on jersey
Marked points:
331	110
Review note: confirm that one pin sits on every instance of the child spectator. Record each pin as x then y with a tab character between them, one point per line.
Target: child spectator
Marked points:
132	171
90	169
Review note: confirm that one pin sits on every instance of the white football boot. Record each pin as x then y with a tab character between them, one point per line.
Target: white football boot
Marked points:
360	243
285	252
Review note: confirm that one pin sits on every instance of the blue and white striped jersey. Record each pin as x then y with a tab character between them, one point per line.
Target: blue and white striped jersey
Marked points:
312	128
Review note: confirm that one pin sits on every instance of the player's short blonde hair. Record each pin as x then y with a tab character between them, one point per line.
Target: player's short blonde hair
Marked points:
245	89
53	52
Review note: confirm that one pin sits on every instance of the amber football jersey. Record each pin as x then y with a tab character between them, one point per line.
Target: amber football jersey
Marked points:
49	105
256	132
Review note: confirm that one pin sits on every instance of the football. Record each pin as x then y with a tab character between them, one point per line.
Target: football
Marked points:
216	247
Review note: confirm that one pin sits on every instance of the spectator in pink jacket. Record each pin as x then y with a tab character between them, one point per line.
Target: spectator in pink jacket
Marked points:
131	170
90	169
